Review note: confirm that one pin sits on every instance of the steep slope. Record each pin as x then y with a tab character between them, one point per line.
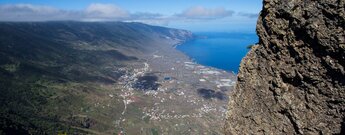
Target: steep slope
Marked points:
52	72
293	81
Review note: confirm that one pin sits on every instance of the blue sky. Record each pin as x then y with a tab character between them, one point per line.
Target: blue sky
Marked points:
195	15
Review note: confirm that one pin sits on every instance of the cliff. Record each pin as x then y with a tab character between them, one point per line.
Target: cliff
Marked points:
293	80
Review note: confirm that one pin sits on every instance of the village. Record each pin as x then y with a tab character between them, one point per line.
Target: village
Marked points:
168	88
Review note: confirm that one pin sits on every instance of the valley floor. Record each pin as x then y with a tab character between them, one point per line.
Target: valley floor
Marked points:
106	78
173	95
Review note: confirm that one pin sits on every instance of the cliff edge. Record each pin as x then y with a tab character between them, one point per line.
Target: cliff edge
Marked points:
293	80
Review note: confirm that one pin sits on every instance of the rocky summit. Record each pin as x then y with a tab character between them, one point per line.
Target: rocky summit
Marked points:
293	80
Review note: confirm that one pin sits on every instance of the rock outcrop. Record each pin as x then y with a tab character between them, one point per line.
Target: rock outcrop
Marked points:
293	80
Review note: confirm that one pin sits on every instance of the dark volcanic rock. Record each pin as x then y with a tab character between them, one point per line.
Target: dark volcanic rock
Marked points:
293	81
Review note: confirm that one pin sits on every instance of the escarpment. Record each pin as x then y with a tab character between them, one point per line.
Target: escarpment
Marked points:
293	80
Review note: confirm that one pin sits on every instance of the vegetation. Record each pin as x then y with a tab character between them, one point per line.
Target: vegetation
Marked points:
250	46
55	76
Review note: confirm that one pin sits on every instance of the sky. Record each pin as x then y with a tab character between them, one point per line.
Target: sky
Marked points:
194	15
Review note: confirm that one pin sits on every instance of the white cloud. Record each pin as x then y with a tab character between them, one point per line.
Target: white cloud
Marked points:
28	12
94	12
23	8
249	15
110	12
199	12
146	15
150	18
105	11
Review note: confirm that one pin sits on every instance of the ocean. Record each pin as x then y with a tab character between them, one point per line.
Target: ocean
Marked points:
219	50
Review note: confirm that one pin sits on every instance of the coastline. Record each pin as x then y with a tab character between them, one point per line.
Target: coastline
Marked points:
193	59
221	50
188	93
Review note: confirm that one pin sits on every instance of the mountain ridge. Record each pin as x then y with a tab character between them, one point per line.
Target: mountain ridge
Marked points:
52	71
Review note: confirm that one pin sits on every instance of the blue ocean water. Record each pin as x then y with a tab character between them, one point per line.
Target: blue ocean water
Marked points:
220	50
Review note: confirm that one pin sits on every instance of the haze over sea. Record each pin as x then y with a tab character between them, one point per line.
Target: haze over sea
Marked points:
220	50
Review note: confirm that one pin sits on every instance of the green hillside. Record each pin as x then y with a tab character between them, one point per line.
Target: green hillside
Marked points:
55	76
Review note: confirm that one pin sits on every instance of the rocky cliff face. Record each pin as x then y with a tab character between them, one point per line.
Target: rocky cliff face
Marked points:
293	81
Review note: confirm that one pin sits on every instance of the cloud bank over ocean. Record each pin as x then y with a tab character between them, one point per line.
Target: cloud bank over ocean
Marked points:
106	12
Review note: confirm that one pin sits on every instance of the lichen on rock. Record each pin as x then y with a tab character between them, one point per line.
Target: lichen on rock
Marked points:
293	81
